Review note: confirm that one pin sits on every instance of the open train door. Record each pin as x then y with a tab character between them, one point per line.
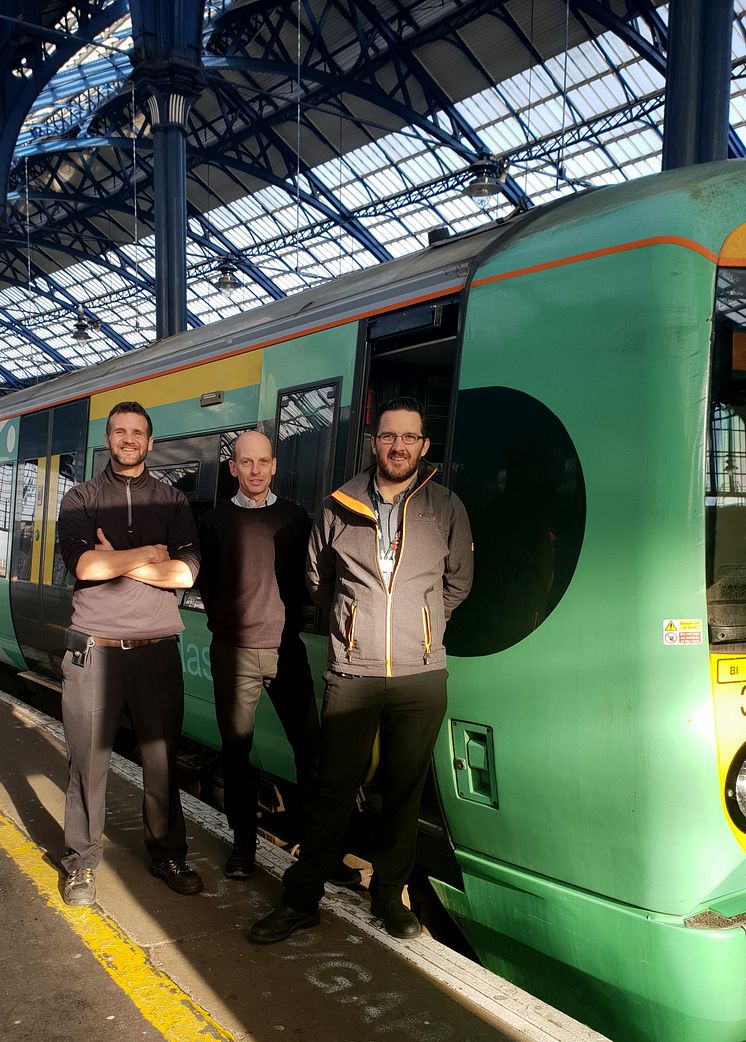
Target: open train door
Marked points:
51	459
412	352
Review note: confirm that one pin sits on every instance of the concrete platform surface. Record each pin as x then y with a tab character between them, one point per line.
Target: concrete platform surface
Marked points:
145	963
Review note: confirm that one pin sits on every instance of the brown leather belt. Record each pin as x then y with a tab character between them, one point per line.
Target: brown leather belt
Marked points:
125	645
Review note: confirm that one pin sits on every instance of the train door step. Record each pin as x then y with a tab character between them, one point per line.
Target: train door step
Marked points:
37	678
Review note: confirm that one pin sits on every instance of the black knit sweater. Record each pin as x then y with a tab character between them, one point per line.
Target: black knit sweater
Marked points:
252	578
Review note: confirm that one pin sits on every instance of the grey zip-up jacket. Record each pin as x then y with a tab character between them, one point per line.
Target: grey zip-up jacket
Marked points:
374	631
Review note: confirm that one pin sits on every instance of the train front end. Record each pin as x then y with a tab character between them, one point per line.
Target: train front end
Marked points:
593	770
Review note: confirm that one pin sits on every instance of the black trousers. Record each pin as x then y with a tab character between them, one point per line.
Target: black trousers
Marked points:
239	675
149	682
409	711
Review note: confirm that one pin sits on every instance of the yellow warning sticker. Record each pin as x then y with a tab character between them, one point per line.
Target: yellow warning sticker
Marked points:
682	631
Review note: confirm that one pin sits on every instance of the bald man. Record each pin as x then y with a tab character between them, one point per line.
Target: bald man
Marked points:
252	582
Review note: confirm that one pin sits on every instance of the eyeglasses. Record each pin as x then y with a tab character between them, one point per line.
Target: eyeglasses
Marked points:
388	438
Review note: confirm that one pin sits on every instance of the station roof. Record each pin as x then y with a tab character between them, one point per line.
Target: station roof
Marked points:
326	136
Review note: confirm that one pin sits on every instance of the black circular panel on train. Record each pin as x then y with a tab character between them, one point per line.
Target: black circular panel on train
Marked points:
735	789
519	476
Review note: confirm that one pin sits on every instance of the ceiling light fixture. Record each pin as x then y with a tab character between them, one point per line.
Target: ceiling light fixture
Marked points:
82	325
489	175
227	281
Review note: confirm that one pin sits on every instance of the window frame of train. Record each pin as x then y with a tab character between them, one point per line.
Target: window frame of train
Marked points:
7	499
315	620
399	354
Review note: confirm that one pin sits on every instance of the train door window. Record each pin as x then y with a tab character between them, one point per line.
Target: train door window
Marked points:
66	473
412	354
6	493
66	463
33	445
29	503
306	434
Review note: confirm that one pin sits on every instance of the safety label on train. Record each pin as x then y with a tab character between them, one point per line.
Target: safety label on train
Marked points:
682	631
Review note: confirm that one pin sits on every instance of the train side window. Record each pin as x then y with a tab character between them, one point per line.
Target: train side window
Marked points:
6	495
725	477
306	434
26	510
67	476
227	484
519	476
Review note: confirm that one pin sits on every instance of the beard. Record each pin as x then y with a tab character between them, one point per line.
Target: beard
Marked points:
133	458
404	470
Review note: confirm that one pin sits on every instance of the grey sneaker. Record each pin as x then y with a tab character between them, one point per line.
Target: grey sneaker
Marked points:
80	887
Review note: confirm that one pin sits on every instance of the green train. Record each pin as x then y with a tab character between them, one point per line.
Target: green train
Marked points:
583	368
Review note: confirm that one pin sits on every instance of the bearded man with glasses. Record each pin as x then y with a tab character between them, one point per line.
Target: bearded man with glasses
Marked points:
390	556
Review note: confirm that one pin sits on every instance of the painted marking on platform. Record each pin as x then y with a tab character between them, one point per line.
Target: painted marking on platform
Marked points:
169	1009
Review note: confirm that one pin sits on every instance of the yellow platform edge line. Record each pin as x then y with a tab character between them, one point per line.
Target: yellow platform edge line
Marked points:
169	1009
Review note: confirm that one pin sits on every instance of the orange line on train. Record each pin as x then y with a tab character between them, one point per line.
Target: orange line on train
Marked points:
657	240
660	240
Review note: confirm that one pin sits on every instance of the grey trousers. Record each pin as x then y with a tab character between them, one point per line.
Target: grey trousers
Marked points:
147	681
239	676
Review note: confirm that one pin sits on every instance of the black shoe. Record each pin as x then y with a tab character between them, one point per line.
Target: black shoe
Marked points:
397	919
240	863
179	876
280	923
346	875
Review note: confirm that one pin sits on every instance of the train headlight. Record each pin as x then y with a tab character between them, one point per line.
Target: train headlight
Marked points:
735	789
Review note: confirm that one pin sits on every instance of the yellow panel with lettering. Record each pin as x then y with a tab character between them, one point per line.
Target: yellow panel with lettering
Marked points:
51	522
729	696
732	670
41	475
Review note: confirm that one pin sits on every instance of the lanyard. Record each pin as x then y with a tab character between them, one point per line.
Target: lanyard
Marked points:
388	545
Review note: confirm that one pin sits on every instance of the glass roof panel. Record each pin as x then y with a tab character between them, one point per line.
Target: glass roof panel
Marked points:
292	242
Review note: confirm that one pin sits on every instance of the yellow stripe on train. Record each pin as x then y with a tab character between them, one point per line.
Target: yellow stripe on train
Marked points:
225	374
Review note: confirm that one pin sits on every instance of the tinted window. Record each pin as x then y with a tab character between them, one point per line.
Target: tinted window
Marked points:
306	428
519	477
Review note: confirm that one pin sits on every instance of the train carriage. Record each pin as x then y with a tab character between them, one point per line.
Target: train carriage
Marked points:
583	370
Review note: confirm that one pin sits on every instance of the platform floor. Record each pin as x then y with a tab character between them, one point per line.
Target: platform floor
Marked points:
145	963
